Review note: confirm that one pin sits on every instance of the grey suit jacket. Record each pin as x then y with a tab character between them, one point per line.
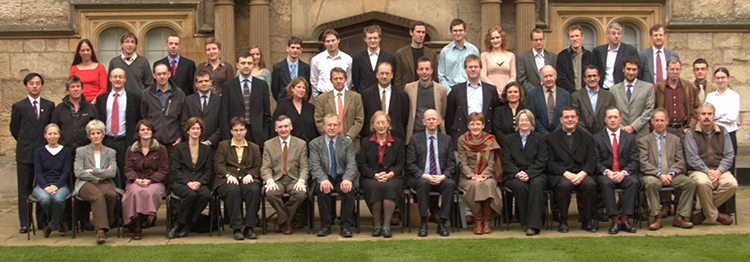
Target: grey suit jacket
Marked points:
527	73
85	160
346	161
636	112
193	108
647	72
588	119
648	153
296	162
441	98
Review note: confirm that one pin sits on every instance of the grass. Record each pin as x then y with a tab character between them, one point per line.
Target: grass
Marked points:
642	248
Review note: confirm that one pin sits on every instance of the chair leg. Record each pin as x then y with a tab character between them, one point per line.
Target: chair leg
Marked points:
359	225
408	211
73	216
169	212
263	212
30	218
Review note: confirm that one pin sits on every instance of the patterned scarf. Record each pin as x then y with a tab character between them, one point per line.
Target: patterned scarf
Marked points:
483	146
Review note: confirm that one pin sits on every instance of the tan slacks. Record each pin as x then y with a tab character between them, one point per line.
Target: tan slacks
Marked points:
710	198
652	185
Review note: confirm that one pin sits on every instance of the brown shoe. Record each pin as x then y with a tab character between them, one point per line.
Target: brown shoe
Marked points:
287	229
137	228
698	218
63	227
486	217
47	231
664	211
277	226
724	219
679	221
101	237
656	225
478	221
395	221
469	219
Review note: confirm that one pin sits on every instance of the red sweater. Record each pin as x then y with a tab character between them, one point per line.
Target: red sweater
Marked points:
94	80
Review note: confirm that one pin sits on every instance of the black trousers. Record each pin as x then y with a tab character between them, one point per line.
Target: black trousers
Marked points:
585	195
529	199
423	188
234	195
325	204
630	184
25	180
120	146
193	202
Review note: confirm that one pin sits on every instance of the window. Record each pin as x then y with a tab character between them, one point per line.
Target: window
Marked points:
156	40
631	34
109	44
589	36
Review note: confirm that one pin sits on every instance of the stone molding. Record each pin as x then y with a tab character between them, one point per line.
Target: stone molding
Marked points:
375	15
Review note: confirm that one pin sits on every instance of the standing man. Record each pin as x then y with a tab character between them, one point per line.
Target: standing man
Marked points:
472	96
424	94
592	102
450	66
529	63
206	105
635	98
654	59
408	56
365	63
247	97
617	168
700	70
73	114
710	154
322	63
346	105
609	56
679	97
289	69
137	68
571	61
28	118
182	68
120	110
394	101
547	102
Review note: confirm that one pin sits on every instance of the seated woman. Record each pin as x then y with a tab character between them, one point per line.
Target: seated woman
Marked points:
51	169
95	169
524	161
481	166
237	165
193	167
146	167
381	161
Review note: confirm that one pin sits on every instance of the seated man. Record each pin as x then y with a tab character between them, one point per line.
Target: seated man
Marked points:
285	174
334	167
663	164
709	152
430	165
572	162
616	168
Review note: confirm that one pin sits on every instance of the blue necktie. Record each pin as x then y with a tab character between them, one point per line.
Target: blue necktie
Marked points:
293	71
629	92
332	158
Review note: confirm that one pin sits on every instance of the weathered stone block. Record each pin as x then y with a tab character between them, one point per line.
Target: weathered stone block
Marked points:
33	45
677	41
711	8
45	12
699	41
736	56
740	75
4	66
727	40
688	56
49	65
11	46
59	45
10	12
742	8
680	8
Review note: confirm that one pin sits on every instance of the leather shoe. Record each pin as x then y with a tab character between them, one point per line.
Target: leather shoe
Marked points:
345	232
101	237
679	221
324	231
665	210
377	232
531	232
434	218
277	226
724	219
287	228
387	233
442	231
238	235
395	221
563	227
627	227
47	231
588	226
249	233
422	230
183	233
23	230
698	218
172	233
469	220
613	229
656	225
63	227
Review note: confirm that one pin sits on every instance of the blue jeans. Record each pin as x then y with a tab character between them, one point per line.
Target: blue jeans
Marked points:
53	205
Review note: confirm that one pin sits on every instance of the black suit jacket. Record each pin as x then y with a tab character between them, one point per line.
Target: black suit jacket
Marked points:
416	155
185	171
457	111
531	159
233	104
398	110
369	156
185	73
600	54
363	75
564	65
193	108
132	114
504	121
538	105
27	129
561	158
281	77
627	152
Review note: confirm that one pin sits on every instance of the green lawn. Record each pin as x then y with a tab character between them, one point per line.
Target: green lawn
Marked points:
647	248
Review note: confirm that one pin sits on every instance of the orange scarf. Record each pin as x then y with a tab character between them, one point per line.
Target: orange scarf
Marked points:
483	146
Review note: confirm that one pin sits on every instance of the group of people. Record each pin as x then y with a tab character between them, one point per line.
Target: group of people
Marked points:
375	123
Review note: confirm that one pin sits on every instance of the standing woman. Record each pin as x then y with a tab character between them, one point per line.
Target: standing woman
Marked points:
52	168
381	162
259	71
504	117
727	104
481	168
219	70
193	168
498	65
146	166
87	67
299	110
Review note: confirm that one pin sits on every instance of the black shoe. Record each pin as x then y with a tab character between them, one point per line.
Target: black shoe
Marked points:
324	231
532	232
387	233
614	228
87	226
627	227
602	216
563	227
23	230
345	232
172	233
377	232
249	233
238	235
588	226
556	217
183	233
442	231
423	230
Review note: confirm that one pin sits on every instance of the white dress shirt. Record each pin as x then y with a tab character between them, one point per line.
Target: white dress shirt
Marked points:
387	91
320	71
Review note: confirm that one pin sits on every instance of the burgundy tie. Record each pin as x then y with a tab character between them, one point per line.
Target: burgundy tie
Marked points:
36	110
615	154
659	67
174	67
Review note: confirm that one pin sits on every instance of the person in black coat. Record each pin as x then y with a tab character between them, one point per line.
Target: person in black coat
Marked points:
282	76
194	107
363	69
614	35
566	77
396	103
73	114
457	111
182	68
504	117
233	105
299	111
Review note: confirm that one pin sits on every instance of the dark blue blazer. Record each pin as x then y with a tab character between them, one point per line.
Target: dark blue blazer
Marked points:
538	105
627	152
281	77
27	129
457	112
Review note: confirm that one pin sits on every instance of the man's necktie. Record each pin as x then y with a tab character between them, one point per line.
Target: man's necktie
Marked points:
293	71
174	67
205	106
550	107
36	110
332	157
433	165
615	154
341	114
285	154
246	96
115	117
382	102
663	164
659	67
629	92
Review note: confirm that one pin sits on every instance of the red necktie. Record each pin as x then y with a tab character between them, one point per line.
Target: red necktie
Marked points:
659	67
174	67
36	110
615	155
115	117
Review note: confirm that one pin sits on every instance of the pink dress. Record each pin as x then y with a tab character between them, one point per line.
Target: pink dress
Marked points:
94	80
498	73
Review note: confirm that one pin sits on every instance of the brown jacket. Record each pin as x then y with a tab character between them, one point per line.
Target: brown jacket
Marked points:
225	163
154	165
691	99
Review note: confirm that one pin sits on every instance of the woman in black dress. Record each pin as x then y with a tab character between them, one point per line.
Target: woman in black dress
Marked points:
299	111
504	117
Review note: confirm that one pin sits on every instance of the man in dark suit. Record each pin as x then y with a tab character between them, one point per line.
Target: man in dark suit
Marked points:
407	56
571	61
181	67
530	62
572	163
616	168
364	64
547	112
289	69
28	118
609	56
655	57
383	96
247	97
430	165
483	99
206	105
592	102
120	118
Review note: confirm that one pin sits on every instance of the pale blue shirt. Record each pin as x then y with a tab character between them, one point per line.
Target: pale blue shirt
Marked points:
249	84
296	67
176	63
437	154
474	97
328	142
658	147
593	96
122	100
524	138
451	64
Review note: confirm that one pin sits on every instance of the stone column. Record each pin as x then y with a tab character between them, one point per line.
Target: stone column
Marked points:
525	22
259	27
490	16
224	28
